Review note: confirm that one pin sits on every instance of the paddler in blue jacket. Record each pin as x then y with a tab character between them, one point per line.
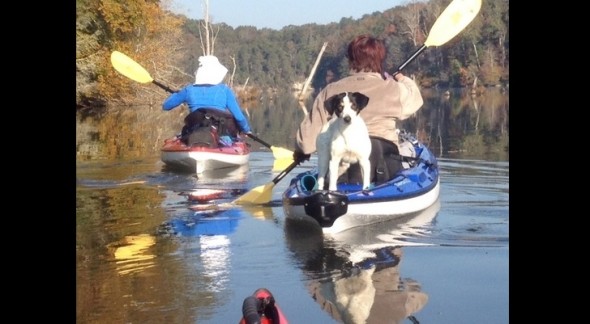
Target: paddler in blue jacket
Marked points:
209	101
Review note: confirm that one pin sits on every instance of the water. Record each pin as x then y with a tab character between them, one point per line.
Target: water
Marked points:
147	254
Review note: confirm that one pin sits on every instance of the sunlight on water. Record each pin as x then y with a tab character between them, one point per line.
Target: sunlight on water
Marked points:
215	255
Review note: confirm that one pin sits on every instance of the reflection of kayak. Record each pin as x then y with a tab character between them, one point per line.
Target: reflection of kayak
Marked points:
198	159
403	231
261	308
205	195
371	291
209	222
307	242
414	189
355	274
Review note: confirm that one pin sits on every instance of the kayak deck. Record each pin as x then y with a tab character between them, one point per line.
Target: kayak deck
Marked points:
413	189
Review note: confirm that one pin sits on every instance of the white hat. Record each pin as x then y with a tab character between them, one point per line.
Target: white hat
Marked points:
210	71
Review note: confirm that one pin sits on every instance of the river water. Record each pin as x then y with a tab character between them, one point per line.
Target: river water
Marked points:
146	253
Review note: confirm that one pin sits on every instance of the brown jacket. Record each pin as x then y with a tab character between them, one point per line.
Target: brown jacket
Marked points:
389	101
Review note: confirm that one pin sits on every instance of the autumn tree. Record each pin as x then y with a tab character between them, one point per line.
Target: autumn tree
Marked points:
141	29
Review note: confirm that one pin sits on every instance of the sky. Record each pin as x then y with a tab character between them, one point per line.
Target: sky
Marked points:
277	14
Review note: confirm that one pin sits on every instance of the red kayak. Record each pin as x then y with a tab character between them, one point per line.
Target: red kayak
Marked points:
200	158
261	308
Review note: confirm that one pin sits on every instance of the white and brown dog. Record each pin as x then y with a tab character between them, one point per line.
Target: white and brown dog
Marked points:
344	140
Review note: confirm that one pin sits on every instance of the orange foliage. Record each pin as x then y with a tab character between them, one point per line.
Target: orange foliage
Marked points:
147	34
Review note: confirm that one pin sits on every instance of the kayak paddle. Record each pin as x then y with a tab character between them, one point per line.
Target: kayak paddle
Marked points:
263	194
134	71
281	164
131	69
278	152
456	16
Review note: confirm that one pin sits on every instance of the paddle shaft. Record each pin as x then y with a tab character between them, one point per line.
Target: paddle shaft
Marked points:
163	86
456	16
283	173
254	137
263	194
410	59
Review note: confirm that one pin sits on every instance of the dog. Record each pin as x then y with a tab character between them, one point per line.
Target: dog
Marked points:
344	140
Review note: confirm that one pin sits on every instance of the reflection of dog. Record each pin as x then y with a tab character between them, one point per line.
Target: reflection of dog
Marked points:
344	140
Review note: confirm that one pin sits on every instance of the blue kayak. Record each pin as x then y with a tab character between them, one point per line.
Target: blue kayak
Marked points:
413	189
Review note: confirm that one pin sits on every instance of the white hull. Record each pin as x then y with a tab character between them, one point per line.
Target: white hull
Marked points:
201	161
368	213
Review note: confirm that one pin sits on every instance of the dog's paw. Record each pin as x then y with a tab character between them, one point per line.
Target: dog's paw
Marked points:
366	190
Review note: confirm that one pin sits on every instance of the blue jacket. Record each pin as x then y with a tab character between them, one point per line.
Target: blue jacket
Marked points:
218	96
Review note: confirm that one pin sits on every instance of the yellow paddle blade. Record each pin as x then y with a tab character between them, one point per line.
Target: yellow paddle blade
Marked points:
457	15
281	164
282	153
129	68
258	195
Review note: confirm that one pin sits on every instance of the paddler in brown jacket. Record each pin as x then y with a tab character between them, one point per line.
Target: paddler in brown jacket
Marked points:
390	99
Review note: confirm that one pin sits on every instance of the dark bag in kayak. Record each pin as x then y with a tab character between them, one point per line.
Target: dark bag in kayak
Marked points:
207	125
202	136
385	163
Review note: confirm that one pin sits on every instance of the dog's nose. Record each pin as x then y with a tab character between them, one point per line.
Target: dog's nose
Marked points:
347	119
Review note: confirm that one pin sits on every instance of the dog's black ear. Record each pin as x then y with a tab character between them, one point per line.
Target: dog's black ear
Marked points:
360	100
332	103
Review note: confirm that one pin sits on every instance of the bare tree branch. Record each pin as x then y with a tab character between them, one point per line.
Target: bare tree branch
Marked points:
317	61
233	72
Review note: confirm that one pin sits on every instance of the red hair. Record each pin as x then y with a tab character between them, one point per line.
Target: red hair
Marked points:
366	54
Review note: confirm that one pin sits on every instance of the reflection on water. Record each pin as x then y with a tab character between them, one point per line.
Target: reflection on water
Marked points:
404	231
203	223
371	291
235	178
225	175
212	230
150	275
154	246
453	124
355	275
215	258
149	252
132	253
264	213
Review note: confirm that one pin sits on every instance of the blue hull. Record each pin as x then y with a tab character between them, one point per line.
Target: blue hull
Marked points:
413	189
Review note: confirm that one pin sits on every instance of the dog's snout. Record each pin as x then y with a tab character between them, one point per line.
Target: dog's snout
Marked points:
346	118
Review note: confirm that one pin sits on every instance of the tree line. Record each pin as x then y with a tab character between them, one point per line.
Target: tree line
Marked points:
262	61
